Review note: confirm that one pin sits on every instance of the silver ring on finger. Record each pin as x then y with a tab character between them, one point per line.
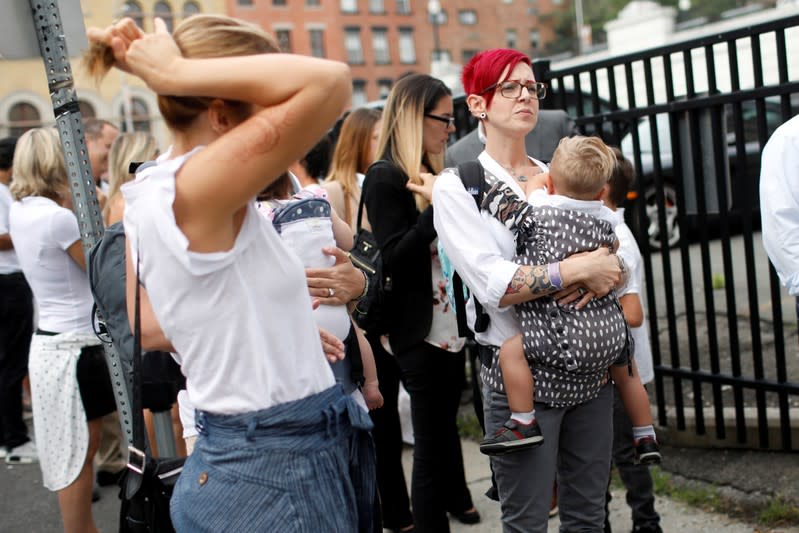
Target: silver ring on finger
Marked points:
330	292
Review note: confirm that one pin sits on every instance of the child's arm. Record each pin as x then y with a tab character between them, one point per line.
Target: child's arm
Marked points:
370	389
341	231
632	309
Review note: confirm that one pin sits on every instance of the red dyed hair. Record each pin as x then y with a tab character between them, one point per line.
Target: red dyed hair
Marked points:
485	68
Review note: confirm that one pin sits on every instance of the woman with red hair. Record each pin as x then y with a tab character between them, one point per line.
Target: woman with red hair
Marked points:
503	94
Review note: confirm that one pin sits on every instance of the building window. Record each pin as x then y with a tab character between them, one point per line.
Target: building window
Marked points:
359	93
510	38
139	116
444	56
349	6
403	7
383	88
284	40
352	44
467	17
377	6
164	11
132	9
407	48
244	3
380	46
535	38
86	109
191	8
21	117
317	38
312	3
467	55
279	3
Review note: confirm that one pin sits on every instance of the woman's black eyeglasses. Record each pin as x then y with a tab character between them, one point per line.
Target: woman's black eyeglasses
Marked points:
449	120
513	89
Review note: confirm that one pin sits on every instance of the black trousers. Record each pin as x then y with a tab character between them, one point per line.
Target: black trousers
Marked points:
636	478
16	330
395	506
434	379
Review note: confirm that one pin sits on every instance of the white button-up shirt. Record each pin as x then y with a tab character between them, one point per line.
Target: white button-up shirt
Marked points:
480	248
779	202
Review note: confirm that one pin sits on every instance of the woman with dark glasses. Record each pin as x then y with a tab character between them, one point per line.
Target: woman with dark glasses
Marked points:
422	332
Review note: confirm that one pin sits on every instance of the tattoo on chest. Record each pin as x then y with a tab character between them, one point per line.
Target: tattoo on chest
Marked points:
536	279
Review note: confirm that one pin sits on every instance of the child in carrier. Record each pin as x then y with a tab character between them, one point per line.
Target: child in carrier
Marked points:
307	223
568	344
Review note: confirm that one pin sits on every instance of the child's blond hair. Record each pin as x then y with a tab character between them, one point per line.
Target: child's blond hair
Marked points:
581	166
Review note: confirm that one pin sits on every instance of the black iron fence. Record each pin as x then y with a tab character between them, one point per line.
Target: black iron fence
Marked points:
694	118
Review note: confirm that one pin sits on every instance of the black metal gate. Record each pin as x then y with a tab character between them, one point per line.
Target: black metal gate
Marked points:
725	351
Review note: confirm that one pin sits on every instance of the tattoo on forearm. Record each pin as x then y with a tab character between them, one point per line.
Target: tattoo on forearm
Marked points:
536	279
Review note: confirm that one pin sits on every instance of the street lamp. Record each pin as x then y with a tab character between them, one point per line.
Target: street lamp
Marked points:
434	12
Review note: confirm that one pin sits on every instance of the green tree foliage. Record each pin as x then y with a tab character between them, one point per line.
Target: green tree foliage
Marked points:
597	13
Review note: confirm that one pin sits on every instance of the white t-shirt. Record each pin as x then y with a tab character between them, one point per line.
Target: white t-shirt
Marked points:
240	320
42	232
628	250
8	258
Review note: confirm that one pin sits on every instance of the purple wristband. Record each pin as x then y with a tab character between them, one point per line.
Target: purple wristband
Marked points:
554	275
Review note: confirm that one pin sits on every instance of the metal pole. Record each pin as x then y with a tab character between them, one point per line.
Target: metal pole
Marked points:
578	13
53	47
436	39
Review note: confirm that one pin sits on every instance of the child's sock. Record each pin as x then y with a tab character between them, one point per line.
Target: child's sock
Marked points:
644	431
524	418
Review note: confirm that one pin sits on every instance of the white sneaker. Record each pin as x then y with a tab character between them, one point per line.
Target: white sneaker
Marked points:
23	454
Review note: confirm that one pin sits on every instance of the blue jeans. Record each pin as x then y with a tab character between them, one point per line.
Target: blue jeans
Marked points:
301	466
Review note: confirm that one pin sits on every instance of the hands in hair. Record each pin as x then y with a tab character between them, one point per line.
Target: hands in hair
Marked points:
150	56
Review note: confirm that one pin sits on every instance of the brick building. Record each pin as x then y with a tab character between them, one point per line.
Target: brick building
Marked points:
384	39
24	96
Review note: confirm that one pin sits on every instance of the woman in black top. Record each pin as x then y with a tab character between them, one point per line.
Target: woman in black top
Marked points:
422	332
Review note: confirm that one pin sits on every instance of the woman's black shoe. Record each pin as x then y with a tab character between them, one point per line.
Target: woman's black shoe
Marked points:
467	517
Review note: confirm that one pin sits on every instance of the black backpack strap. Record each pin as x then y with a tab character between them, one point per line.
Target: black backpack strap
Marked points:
472	175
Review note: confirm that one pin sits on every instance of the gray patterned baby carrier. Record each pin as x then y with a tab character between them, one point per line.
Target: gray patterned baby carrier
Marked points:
569	350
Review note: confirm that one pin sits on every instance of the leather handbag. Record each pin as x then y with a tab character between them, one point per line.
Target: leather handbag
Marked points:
365	255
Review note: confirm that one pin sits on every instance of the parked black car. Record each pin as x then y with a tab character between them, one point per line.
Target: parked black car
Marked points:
741	183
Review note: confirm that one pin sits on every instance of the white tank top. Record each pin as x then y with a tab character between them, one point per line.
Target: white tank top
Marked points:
240	320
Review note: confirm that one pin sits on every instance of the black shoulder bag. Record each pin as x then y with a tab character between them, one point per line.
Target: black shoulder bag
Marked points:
365	255
148	481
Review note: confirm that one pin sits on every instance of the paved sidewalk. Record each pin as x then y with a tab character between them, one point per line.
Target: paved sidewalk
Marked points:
27	507
676	517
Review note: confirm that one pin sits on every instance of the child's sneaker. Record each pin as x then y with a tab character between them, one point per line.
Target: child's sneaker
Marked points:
647	451
512	437
23	454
